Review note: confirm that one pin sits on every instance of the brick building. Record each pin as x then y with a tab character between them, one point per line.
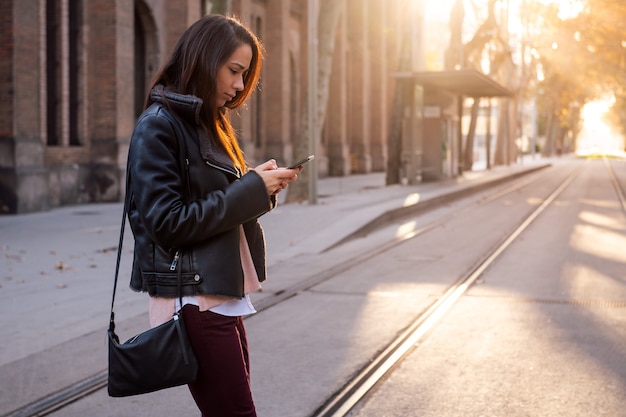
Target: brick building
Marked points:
74	74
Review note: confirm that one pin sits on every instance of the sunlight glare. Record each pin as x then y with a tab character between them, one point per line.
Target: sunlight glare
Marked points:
406	229
604	222
599	242
569	9
411	200
438	9
600	203
596	136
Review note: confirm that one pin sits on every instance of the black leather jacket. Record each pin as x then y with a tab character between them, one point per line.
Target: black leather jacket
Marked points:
187	203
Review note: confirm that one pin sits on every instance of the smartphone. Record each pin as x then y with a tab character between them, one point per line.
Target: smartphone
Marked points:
302	162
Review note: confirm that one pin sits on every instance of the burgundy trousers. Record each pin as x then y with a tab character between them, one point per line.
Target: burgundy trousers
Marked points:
222	388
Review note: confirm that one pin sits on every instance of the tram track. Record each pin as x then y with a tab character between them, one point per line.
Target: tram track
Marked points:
345	399
619	189
357	388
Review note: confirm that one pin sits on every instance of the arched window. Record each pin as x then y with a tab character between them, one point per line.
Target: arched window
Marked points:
146	53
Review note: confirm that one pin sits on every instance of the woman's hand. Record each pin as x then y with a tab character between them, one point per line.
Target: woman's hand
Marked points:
276	179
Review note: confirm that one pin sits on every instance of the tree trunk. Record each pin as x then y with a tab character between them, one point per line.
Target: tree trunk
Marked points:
401	96
468	159
513	130
488	136
394	145
499	155
548	145
328	20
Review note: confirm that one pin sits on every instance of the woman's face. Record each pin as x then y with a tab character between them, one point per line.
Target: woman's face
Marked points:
230	75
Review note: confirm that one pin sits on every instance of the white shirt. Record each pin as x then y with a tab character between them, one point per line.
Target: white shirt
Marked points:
161	309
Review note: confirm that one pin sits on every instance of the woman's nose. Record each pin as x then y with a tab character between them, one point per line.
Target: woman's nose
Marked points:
239	83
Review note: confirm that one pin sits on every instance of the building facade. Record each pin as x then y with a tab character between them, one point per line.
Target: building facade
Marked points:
74	75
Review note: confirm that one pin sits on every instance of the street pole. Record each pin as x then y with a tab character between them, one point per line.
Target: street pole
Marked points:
312	96
411	171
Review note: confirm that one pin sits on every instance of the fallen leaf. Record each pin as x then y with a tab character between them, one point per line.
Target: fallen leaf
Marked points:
62	266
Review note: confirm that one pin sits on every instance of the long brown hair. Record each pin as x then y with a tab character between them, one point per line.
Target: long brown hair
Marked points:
193	66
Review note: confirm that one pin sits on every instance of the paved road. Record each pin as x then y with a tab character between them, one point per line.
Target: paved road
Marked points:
542	334
56	279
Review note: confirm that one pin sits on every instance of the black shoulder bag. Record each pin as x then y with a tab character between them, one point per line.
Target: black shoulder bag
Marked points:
158	358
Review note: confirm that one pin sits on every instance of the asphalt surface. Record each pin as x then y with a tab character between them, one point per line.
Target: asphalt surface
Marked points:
56	270
541	333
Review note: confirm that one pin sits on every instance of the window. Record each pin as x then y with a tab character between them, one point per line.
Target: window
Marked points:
75	24
53	73
63	42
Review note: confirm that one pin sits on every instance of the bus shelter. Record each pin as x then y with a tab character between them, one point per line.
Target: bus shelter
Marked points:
432	139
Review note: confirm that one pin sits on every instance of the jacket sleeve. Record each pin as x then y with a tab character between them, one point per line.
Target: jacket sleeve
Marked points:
158	191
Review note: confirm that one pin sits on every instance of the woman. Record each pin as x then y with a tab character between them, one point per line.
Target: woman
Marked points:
194	205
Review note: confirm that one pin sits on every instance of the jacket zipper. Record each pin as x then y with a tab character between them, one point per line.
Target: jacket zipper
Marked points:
175	261
234	172
187	172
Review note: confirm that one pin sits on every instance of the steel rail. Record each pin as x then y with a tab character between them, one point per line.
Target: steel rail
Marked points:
354	391
621	196
56	401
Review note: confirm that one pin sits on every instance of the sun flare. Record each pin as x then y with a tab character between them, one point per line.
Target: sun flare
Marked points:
441	8
596	136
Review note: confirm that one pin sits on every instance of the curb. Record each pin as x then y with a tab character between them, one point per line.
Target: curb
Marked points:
412	209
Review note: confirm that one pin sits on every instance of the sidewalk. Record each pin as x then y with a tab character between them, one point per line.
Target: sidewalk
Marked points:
57	268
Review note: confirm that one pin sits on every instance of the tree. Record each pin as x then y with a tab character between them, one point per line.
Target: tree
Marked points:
328	20
579	58
401	96
489	36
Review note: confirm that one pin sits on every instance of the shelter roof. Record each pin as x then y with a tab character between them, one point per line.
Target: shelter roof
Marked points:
467	82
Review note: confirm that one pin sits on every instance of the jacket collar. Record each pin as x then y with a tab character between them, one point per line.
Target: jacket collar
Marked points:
187	106
212	152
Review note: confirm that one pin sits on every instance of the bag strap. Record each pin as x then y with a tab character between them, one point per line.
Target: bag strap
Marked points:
182	150
119	250
118	261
